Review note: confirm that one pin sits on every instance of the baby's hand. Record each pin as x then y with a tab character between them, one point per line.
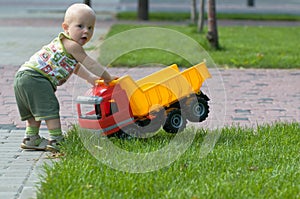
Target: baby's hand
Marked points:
107	81
92	80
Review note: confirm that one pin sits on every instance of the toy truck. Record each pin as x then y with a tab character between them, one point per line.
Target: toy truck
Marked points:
166	98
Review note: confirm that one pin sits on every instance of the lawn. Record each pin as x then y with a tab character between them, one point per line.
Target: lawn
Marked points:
184	16
245	163
241	47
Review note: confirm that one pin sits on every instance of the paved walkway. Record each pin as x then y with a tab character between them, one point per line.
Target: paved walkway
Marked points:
19	169
246	97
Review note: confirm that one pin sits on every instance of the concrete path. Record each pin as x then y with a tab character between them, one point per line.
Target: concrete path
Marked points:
239	97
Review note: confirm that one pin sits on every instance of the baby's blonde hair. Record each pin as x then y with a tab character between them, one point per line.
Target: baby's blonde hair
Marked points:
76	9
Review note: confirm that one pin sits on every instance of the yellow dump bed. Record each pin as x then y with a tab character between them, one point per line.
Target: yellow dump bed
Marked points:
163	88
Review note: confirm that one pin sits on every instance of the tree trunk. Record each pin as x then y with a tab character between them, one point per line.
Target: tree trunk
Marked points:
201	16
87	2
212	34
193	11
143	10
250	3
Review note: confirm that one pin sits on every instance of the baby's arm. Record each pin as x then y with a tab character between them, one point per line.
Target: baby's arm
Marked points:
82	72
90	64
96	68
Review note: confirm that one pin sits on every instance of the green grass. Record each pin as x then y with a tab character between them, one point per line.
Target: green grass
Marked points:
259	16
241	46
183	16
245	163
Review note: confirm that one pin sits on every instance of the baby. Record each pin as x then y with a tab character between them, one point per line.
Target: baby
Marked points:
36	81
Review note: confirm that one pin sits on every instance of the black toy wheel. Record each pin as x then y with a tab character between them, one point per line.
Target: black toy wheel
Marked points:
152	125
130	131
175	122
197	110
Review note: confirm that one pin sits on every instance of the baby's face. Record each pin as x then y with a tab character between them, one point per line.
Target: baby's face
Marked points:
81	27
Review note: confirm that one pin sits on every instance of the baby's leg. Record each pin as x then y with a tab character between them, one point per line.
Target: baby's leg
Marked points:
53	124
32	140
54	128
55	133
32	127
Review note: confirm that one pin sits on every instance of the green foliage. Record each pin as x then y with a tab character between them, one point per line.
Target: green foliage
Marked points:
245	163
241	46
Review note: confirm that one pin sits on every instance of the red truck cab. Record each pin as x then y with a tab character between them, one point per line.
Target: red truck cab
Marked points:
106	110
